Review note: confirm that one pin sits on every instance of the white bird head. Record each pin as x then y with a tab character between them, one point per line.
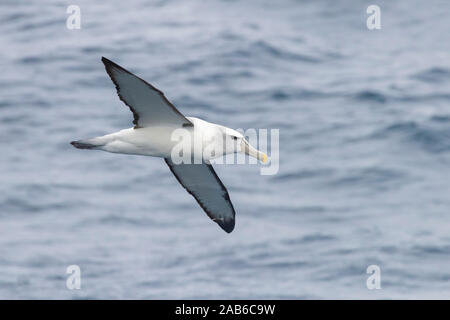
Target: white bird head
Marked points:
236	142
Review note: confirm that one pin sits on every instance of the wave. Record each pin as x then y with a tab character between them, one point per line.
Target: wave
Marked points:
433	75
369	95
371	177
430	138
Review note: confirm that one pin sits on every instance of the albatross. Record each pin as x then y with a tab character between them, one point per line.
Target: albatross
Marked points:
155	120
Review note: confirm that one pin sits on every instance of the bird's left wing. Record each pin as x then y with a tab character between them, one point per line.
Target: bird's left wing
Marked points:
148	104
202	182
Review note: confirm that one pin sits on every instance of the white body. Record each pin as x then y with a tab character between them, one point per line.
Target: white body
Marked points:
159	141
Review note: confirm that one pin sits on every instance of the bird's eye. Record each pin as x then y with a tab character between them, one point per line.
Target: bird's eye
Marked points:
235	138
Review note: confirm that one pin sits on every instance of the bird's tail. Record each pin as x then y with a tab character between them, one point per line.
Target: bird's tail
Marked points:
93	143
84	144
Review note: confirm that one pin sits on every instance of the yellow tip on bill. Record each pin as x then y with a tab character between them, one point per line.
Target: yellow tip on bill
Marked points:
264	158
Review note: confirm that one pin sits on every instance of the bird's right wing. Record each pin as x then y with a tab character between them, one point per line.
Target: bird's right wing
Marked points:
148	104
202	182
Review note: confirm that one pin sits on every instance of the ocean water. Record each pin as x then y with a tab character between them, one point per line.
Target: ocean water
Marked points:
364	147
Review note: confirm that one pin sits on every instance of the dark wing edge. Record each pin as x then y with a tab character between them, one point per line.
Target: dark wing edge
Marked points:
109	64
228	224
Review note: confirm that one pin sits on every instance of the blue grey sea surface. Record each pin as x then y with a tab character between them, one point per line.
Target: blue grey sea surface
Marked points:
364	120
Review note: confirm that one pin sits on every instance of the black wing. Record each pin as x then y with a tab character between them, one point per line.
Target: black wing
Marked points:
202	182
148	104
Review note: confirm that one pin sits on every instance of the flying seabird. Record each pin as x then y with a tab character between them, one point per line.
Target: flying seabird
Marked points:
155	120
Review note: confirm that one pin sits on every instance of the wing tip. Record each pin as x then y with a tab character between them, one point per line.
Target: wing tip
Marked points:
108	64
106	61
227	225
